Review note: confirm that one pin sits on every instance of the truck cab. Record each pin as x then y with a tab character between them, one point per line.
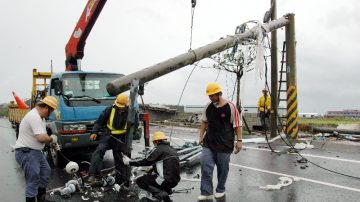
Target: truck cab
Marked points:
82	96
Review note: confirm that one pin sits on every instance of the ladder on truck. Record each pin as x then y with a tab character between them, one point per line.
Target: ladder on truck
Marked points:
282	92
40	86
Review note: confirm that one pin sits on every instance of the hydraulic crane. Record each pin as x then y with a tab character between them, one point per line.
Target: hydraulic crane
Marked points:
75	47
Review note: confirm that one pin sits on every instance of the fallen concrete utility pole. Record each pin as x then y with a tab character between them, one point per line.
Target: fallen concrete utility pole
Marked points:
331	130
123	84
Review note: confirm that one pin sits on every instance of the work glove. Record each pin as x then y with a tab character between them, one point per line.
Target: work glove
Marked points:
55	146
54	138
126	160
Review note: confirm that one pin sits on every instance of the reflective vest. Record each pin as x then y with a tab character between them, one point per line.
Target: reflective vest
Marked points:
262	103
110	124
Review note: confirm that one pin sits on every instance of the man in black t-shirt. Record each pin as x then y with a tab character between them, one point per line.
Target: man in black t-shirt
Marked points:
222	122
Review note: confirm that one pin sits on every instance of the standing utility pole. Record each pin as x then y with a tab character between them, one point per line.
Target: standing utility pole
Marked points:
292	127
274	75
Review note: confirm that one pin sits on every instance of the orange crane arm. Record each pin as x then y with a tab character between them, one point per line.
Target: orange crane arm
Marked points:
75	47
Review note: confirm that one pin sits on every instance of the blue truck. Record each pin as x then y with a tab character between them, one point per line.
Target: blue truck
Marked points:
82	96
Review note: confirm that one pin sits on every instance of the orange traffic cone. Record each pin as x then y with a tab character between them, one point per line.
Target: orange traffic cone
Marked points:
21	104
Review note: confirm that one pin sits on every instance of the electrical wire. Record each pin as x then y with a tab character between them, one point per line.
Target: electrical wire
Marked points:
181	95
288	142
193	5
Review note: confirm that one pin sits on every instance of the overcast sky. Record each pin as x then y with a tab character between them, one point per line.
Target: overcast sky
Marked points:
131	35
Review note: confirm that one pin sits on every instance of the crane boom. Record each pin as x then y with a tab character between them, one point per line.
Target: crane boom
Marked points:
75	47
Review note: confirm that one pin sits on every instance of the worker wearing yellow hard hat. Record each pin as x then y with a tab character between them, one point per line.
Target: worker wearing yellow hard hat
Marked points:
50	101
113	124
29	145
220	127
122	100
165	162
158	136
264	107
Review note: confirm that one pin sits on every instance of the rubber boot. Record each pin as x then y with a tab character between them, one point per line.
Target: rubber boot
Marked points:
41	194
159	194
163	196
30	199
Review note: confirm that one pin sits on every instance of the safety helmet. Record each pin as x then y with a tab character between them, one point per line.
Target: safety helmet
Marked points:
265	89
122	100
213	88
159	136
50	101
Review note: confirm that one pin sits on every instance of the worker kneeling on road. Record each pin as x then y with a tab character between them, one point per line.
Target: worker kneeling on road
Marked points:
165	162
29	146
113	122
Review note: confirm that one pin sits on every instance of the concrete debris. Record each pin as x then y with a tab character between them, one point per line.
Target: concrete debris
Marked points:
283	182
143	194
302	145
302	160
116	188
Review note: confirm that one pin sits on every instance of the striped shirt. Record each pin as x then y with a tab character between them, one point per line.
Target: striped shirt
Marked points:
235	118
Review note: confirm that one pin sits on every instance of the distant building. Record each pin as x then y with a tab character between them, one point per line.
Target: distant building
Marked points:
193	108
246	109
308	115
344	113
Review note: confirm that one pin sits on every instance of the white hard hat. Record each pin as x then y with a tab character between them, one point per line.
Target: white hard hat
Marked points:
72	167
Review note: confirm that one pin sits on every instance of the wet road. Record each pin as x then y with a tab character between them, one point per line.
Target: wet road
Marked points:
253	167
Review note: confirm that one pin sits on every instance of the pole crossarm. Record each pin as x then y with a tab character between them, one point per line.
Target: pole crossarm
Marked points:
122	84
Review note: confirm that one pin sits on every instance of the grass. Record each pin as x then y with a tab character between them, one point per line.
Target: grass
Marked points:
327	122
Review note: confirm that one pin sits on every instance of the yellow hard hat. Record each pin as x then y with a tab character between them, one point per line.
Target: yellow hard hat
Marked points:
213	88
50	101
159	136
122	100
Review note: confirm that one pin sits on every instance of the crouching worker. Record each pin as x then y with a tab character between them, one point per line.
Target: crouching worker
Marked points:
113	122
29	146
166	167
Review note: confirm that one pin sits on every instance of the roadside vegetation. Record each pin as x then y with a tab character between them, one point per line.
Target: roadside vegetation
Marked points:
327	122
3	111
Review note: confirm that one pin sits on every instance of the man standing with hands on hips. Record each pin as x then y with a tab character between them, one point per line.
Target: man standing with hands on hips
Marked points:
220	124
29	146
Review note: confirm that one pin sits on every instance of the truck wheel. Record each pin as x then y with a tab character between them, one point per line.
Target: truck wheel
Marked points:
137	134
56	158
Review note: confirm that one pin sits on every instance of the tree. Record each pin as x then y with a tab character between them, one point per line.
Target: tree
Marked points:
241	58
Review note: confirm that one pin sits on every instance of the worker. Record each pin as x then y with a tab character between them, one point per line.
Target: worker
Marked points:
264	105
28	148
165	162
220	123
113	124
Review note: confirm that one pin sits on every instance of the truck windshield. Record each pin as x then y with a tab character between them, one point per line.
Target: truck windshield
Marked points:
87	88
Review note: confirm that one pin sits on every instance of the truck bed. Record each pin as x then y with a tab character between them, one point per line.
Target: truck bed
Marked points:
16	114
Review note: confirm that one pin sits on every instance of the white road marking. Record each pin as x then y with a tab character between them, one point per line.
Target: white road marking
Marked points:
311	155
282	174
301	178
307	155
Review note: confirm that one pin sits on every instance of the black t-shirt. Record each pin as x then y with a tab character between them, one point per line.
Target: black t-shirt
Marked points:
220	134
